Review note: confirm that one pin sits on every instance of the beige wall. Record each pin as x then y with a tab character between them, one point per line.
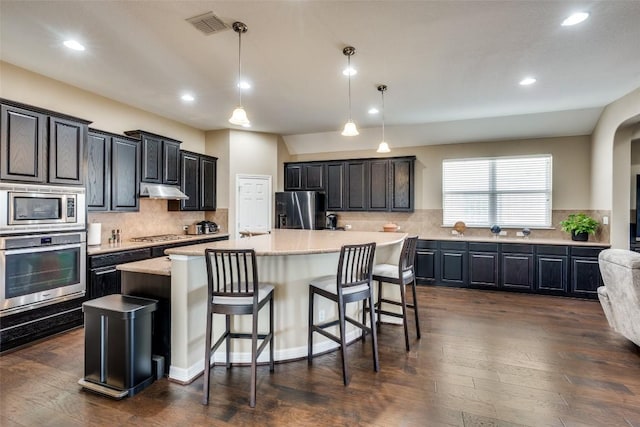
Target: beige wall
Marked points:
611	151
571	166
18	84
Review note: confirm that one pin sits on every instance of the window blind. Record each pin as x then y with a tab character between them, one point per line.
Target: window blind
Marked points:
507	191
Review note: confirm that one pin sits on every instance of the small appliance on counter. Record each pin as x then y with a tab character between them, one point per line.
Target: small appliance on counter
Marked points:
209	227
332	221
194	229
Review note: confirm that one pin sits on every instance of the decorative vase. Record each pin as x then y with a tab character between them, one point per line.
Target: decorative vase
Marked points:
579	237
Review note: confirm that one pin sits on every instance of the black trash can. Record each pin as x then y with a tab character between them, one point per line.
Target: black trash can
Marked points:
117	345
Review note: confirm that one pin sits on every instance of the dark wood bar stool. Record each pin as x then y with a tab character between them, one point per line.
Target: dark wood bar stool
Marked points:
234	290
351	284
401	274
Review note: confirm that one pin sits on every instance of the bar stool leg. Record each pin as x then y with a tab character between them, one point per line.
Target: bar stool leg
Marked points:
227	321
403	300
343	342
310	329
415	307
374	338
254	352
271	351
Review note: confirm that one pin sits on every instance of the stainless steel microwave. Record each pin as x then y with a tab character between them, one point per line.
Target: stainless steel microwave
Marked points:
32	208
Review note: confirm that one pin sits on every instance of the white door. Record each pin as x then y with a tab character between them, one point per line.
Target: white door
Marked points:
253	204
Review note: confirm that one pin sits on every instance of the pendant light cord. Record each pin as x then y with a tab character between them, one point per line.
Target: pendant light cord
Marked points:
349	72
382	115
239	67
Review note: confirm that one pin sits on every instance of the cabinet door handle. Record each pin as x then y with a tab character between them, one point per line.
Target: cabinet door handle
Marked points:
111	270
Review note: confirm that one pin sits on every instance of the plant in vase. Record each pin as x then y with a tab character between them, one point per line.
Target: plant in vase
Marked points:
580	225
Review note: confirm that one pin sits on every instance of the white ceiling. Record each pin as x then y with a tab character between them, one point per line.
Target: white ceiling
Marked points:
452	67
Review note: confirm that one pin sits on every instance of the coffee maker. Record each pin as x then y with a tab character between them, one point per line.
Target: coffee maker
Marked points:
332	221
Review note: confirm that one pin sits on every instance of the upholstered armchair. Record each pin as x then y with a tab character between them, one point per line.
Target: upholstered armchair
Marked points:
620	295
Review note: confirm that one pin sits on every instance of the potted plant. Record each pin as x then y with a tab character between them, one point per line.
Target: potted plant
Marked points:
580	225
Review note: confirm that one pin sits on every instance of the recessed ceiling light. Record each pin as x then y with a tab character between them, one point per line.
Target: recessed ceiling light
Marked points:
574	19
527	81
350	71
373	110
244	85
72	44
187	97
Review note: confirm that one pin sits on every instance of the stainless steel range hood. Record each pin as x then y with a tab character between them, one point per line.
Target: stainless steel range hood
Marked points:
160	191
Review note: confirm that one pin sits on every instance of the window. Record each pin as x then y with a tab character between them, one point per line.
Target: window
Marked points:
507	191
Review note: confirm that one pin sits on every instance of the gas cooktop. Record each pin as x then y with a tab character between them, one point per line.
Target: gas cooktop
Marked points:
159	238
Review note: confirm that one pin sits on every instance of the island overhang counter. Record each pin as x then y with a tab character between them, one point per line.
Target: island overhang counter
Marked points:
288	259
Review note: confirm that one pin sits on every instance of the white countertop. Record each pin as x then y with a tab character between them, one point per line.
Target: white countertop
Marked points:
128	245
295	242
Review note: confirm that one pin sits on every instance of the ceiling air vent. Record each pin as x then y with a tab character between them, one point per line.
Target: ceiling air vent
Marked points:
208	23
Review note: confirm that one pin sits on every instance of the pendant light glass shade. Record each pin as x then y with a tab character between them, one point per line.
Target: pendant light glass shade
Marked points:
350	128
239	116
383	147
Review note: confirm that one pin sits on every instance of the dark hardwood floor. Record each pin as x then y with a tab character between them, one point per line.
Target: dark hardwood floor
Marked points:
485	359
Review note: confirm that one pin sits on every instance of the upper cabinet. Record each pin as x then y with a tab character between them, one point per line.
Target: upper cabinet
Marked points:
113	177
160	163
198	181
377	184
41	146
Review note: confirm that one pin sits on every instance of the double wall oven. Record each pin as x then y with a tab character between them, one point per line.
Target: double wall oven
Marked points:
42	245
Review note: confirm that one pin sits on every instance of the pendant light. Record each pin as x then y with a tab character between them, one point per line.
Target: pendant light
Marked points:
350	128
383	147
239	116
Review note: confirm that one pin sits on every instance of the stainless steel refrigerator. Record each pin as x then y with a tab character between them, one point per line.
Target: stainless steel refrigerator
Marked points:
301	210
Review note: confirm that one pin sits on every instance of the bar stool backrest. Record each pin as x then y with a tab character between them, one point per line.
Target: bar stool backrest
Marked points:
408	254
231	272
355	266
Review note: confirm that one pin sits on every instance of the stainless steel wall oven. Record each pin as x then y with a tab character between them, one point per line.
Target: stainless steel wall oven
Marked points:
41	269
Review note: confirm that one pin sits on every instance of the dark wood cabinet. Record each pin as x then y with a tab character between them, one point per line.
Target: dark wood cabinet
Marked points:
426	262
208	182
335	186
517	266
22	145
125	174
98	171
198	181
585	271
376	184
453	263
41	146
313	176
292	177
402	184
378	191
552	269
160	161
356	187
113	172
103	277
546	269
483	265
66	151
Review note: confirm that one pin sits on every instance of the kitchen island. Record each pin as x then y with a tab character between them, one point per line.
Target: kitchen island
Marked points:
288	259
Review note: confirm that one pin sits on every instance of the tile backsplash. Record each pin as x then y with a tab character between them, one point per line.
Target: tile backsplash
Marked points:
153	219
427	223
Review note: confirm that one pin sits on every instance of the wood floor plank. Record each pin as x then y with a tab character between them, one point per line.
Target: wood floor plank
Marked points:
485	359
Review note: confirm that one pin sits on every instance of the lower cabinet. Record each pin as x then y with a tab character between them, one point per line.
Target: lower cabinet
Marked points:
552	266
426	262
517	266
585	272
564	270
453	263
483	265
